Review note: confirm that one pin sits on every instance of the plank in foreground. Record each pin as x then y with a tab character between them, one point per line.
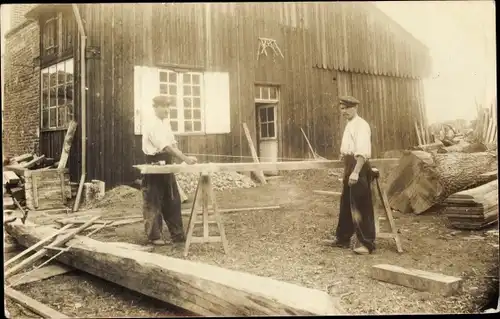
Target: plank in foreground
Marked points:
196	287
248	167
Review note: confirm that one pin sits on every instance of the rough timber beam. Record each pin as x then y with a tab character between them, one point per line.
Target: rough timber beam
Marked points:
200	288
248	167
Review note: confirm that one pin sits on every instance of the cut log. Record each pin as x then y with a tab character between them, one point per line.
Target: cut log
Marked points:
473	209
33	162
68	139
429	147
200	288
21	158
422	180
464	147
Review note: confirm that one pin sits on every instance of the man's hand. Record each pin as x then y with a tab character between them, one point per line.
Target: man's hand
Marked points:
353	178
190	160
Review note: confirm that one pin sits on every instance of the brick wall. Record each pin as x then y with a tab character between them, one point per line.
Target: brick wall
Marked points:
21	114
17	12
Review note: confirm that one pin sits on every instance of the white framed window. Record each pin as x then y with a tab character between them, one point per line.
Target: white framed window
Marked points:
202	104
187	115
56	88
266	94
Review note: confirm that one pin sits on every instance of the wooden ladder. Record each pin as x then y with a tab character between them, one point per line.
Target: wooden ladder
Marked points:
388	214
208	196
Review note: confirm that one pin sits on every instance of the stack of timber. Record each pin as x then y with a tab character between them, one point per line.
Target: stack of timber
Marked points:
422	180
200	288
44	183
473	209
35	182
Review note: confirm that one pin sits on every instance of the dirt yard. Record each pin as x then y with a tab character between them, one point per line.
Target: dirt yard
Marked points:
285	244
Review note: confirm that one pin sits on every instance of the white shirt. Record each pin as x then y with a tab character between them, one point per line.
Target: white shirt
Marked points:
157	136
357	138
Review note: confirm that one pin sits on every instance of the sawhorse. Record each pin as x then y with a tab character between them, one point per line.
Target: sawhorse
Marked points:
388	213
207	196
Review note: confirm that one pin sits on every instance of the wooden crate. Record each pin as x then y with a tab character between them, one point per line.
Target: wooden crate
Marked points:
44	188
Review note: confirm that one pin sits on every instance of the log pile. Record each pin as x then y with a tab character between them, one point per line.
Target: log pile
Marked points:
473	209
422	180
18	174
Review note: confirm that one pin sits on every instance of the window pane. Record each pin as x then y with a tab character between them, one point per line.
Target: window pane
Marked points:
174	125
263	130
53	78
270	129
196	102
186	78
187	90
61	92
197	126
262	115
69	91
70	115
68	68
187	102
45	118
265	93
196	91
187	114
61	121
197	114
173	113
274	93
172	77
172	89
53	101
270	114
52	117
45	79
257	92
45	99
61	77
188	126
195	78
163	88
163	76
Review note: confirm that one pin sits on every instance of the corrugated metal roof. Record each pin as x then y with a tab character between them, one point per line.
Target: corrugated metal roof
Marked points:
359	37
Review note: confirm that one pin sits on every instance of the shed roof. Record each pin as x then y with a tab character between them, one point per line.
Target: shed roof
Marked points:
359	37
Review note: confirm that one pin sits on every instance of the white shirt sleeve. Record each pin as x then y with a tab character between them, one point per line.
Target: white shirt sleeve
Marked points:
362	140
162	137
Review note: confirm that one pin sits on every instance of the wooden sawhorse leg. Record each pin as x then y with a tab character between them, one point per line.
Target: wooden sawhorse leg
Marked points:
207	198
388	213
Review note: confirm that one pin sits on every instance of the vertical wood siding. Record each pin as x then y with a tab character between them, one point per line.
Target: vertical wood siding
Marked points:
311	76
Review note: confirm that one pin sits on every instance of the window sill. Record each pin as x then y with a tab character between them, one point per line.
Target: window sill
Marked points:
53	129
190	134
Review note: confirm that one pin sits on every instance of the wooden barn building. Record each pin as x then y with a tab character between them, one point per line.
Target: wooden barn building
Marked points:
278	67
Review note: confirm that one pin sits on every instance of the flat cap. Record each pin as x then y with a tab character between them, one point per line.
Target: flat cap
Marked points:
349	101
163	100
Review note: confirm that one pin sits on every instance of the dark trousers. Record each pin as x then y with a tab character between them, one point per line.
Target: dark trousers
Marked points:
356	207
161	201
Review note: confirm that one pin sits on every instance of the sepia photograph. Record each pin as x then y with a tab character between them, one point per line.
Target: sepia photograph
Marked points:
186	159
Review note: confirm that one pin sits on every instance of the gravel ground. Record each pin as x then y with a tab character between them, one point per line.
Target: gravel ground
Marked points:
285	244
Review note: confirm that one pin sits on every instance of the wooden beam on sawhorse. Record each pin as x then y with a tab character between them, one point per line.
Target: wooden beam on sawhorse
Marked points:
388	213
207	198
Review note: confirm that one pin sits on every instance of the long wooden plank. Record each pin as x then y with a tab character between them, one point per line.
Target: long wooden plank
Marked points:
38	274
258	173
68	139
197	287
37	245
33	162
33	305
248	167
417	279
11	177
39	254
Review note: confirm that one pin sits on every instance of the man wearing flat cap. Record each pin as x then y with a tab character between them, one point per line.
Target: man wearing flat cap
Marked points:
356	206
160	193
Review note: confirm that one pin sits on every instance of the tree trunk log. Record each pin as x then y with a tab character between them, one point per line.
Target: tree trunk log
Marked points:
422	179
199	288
464	147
